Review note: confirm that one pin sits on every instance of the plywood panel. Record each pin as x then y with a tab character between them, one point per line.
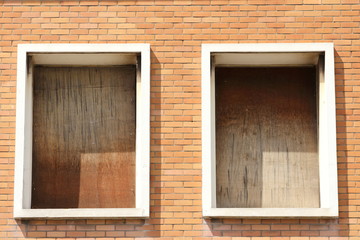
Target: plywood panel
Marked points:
266	137
84	137
113	176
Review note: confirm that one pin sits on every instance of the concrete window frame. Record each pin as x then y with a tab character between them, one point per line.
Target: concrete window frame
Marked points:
80	54
273	54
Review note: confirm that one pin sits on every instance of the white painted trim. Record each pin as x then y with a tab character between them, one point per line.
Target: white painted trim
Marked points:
270	212
208	178
81	213
236	55
95	55
20	131
83	48
267	47
143	134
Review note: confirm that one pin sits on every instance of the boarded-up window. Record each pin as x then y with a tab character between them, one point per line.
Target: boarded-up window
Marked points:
82	131
84	137
268	130
266	137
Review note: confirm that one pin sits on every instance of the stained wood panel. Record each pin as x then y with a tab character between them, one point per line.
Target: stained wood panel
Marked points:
266	137
84	137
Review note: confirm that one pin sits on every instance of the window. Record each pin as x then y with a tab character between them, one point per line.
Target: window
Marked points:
82	131
269	130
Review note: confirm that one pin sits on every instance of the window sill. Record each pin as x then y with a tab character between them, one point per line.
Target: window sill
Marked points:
270	213
88	213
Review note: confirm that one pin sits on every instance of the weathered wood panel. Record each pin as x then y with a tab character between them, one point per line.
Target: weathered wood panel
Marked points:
266	137
84	137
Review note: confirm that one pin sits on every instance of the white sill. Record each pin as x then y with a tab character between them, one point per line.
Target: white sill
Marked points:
270	213
89	213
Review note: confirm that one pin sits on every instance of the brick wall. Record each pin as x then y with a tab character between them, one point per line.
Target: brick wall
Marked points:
175	29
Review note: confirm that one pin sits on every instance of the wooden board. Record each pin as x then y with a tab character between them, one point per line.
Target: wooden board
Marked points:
84	137
266	137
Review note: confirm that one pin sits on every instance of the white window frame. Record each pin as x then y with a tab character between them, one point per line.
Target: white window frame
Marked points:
274	54
80	54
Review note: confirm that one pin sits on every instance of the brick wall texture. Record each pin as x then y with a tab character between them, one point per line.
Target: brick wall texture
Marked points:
176	29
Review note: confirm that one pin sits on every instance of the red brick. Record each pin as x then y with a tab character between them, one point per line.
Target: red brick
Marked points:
176	30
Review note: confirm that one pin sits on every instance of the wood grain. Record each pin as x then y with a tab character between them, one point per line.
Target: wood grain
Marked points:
266	137
84	137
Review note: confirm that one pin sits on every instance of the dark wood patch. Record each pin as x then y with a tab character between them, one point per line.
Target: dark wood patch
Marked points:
84	137
266	137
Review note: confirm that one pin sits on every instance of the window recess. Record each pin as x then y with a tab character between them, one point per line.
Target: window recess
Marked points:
82	140
269	142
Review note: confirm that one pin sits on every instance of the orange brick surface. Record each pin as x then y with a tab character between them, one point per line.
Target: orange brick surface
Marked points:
176	29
